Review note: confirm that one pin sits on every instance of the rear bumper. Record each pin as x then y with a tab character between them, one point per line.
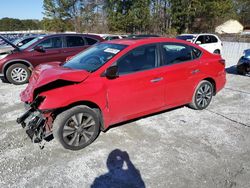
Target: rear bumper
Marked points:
221	81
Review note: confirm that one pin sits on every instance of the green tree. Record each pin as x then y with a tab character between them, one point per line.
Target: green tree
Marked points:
183	13
128	16
200	15
243	11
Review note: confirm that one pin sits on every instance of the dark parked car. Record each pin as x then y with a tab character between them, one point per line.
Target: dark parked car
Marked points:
243	66
117	81
15	65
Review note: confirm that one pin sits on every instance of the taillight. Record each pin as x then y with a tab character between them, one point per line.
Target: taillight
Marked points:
222	61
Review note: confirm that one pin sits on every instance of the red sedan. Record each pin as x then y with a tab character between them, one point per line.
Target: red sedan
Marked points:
117	81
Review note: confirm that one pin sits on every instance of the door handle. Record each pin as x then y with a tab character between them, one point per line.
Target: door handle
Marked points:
195	71
156	80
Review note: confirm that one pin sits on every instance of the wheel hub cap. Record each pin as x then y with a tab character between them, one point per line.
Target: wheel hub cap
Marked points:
204	95
78	129
19	74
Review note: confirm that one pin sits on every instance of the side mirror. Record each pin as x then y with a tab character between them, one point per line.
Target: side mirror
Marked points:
112	72
39	49
198	42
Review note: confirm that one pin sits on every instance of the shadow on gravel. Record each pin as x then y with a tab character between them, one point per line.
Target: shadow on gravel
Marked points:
3	79
232	70
149	115
122	173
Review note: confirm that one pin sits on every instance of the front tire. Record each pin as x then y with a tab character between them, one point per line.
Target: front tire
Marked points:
202	95
18	74
76	128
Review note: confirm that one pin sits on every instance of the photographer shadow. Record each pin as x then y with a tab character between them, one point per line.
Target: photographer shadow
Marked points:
122	173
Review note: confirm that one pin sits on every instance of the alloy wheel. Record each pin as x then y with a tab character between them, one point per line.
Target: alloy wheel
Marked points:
78	129
19	74
204	95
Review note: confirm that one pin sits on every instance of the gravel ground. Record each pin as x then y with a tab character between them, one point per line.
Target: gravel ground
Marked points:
176	148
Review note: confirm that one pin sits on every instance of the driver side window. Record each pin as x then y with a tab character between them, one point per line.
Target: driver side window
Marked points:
138	59
51	43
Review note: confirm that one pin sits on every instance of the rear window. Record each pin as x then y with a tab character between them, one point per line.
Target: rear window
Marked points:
74	41
90	41
213	39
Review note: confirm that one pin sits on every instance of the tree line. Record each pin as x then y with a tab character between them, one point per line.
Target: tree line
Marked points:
134	16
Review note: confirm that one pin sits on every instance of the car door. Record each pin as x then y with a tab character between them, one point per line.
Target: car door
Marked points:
181	65
139	89
52	49
73	45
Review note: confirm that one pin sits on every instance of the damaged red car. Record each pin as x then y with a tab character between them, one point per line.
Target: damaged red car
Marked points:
116	81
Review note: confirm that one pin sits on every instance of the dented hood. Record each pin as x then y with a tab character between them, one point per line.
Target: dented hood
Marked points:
46	74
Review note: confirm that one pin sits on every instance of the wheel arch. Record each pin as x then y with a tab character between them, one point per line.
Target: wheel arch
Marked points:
15	61
219	51
89	104
212	81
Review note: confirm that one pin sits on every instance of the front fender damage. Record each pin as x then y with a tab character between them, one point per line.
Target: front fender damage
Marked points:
37	123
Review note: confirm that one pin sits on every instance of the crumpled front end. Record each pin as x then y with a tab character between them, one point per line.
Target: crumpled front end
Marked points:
37	123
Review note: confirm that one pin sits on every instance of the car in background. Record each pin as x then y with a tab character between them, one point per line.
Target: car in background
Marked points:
243	66
112	37
18	42
142	36
209	42
116	81
16	65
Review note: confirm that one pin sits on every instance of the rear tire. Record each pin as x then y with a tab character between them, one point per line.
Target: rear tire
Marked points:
18	74
76	127
202	96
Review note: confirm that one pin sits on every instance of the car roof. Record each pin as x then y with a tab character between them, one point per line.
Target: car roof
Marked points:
186	34
74	34
140	41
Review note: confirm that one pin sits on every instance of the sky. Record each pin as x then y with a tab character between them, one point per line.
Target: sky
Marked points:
21	9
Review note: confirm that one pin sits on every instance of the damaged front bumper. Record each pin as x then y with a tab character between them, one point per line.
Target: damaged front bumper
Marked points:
36	123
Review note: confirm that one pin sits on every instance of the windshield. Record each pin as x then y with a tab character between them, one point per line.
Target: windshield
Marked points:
185	37
17	41
3	43
30	43
93	58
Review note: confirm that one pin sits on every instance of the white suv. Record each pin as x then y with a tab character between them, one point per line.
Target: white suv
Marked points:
209	42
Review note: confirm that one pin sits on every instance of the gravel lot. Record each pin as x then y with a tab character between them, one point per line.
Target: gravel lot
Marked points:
176	148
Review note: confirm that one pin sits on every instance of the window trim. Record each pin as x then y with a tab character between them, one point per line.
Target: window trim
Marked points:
162	64
44	39
158	59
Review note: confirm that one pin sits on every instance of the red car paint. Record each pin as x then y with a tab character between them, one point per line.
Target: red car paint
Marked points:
132	95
